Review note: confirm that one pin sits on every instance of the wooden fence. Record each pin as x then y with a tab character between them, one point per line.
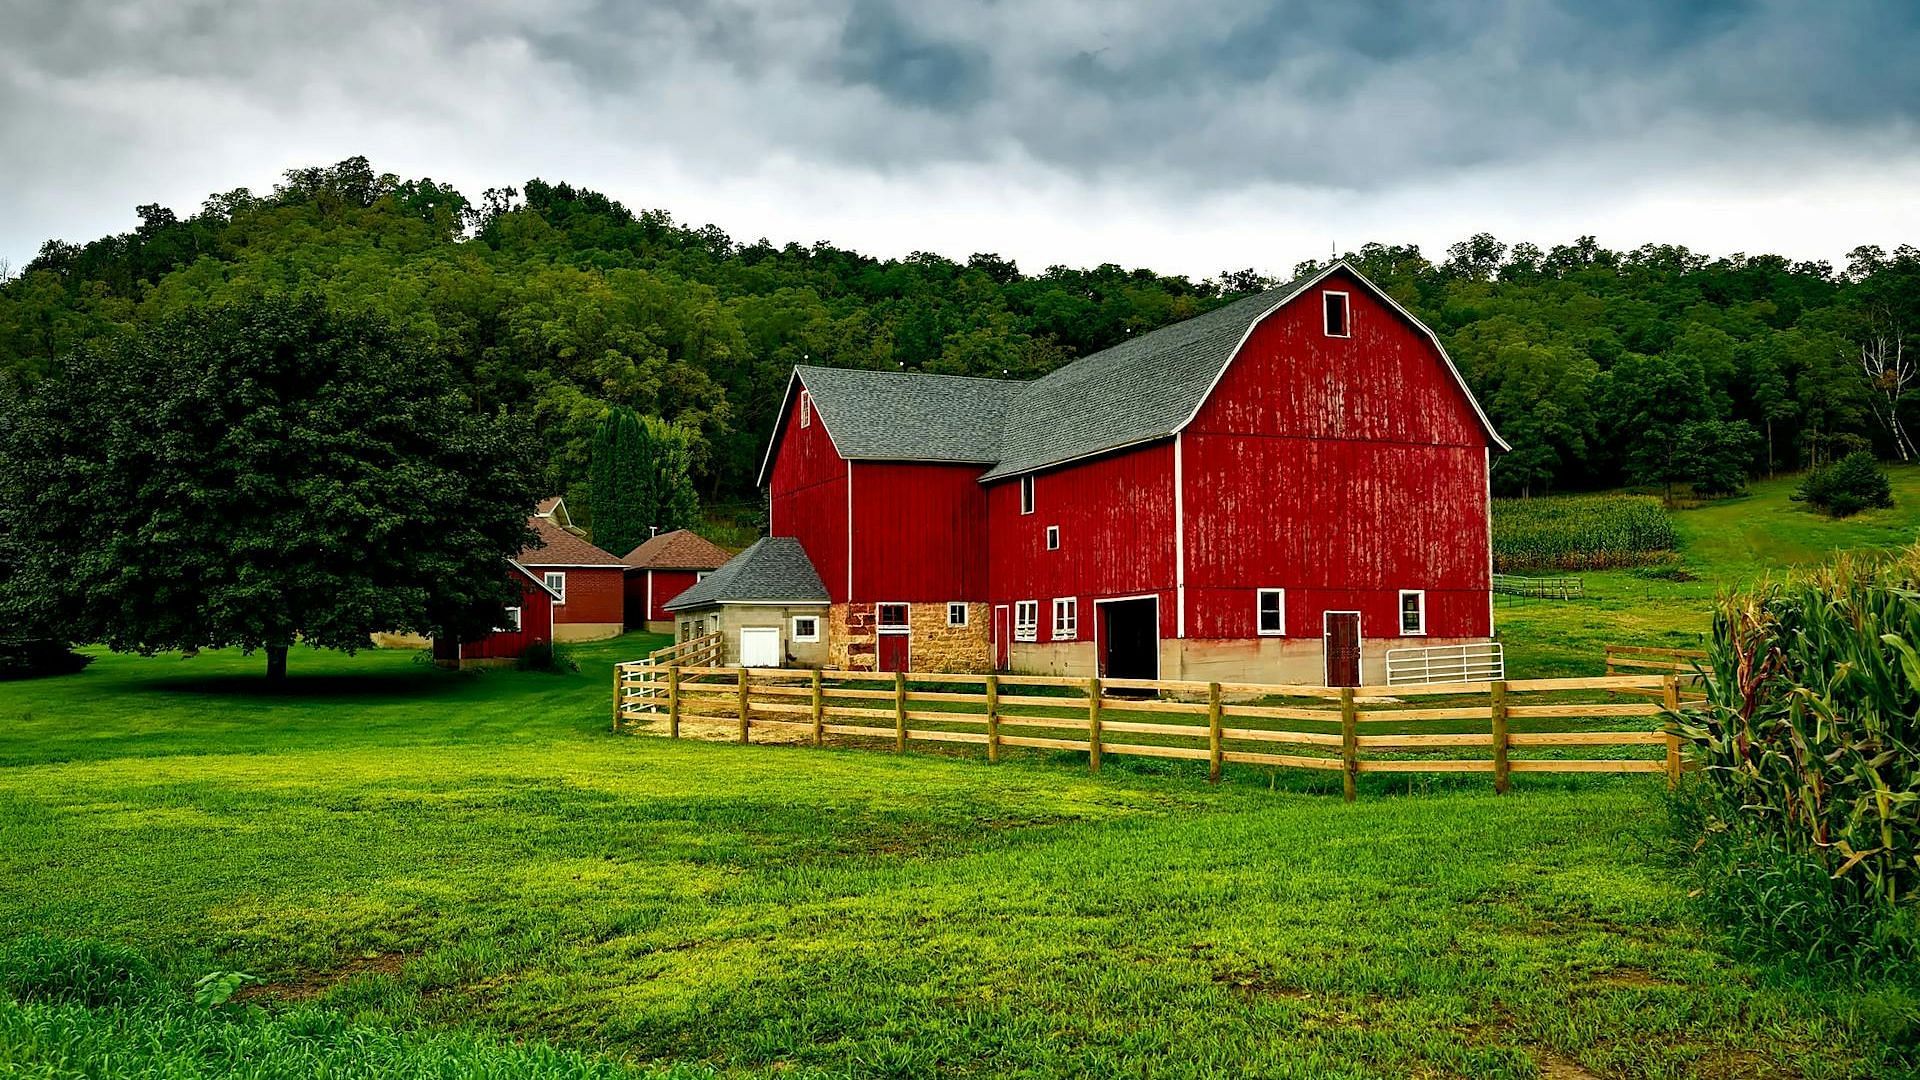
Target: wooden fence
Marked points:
1543	588
640	686
1350	730
1639	660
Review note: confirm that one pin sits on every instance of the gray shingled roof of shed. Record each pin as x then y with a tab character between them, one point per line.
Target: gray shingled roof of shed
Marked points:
775	569
910	416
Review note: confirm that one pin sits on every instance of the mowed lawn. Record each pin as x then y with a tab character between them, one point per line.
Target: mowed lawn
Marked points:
451	875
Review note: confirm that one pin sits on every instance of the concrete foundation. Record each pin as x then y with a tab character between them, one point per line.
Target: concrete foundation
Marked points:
586	631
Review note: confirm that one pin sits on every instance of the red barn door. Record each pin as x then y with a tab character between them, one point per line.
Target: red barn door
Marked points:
1341	642
1002	634
893	649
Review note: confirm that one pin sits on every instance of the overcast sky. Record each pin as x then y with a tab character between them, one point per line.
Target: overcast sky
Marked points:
1185	135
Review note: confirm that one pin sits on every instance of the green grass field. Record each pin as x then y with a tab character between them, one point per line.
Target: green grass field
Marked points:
440	874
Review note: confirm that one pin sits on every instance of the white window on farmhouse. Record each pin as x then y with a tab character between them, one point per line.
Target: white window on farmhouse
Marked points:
1026	494
511	624
1026	620
1053	538
1336	309
956	613
893	616
1272	612
806	409
1413	612
806	628
1066	618
557	581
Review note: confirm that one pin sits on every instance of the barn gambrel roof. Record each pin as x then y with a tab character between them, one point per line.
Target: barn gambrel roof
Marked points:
775	569
1145	388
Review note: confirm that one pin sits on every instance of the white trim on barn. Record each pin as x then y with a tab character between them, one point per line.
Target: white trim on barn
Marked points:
1153	596
1346	313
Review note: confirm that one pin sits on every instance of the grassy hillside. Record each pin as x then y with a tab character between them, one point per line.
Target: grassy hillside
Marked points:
1722	544
430	869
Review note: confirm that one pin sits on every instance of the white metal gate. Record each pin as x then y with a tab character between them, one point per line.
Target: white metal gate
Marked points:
1471	663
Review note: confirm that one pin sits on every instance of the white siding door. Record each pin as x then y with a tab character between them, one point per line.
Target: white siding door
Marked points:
760	646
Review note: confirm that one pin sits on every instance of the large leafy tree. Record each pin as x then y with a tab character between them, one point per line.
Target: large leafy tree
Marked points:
260	473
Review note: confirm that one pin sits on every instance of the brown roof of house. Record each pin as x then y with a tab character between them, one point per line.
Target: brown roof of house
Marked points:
545	506
678	550
562	548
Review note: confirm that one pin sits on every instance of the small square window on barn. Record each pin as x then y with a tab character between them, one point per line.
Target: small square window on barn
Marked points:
1272	613
1413	612
557	582
1066	619
956	613
1336	308
511	624
1026	494
893	616
1026	620
806	628
1053	538
806	409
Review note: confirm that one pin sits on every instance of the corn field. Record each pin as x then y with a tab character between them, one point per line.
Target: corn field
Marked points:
1810	753
1580	532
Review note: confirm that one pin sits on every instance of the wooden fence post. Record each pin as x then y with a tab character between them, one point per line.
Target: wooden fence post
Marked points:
673	701
616	699
1213	733
1093	724
1498	695
1349	741
1670	697
743	703
819	711
993	718
899	711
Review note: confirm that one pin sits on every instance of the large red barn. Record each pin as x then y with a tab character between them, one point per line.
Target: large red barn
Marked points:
1284	488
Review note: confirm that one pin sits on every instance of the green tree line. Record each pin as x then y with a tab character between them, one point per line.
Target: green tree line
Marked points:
560	305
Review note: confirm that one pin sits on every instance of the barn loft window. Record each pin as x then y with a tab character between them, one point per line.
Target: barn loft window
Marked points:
1026	620
1066	619
511	624
1272	609
806	628
1336	307
1026	494
806	409
893	616
956	613
1053	538
1413	612
557	581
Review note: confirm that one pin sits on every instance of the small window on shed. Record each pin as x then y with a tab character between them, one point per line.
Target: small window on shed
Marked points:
511	624
1337	325
1413	612
806	628
957	613
1053	538
557	582
1272	610
1026	494
893	616
806	409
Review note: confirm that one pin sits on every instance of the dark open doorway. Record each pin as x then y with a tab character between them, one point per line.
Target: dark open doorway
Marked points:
1129	638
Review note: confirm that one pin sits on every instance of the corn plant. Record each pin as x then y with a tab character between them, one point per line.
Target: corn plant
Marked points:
1580	532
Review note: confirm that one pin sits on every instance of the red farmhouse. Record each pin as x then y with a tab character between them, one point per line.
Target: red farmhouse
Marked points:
1284	488
589	585
662	568
529	622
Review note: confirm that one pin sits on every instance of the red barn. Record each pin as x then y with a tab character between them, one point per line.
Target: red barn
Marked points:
529	622
589	585
662	568
1284	488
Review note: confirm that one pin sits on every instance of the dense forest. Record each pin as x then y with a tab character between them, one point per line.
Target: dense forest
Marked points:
558	303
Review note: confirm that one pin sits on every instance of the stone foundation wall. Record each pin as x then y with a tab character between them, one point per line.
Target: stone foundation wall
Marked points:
853	629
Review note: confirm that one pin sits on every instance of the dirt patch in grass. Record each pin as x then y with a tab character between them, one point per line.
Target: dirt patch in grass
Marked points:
309	985
1555	1067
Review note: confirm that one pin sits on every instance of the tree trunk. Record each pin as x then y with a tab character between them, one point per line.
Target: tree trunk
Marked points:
276	663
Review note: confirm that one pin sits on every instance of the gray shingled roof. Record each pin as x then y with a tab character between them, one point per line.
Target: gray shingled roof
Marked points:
910	416
775	569
1140	389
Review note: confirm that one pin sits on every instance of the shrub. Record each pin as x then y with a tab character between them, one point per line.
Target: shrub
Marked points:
32	657
1846	487
541	656
1806	815
1580	532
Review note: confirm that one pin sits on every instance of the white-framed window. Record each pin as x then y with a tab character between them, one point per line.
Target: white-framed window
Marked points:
1066	618
806	409
686	630
1026	620
956	613
1270	613
557	581
1413	612
893	616
806	628
511	624
1053	538
1026	494
1338	317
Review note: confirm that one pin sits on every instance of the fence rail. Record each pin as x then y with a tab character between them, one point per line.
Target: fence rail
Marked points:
1642	660
1350	731
640	686
1545	588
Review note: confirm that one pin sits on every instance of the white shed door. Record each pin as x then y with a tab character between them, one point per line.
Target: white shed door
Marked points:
760	646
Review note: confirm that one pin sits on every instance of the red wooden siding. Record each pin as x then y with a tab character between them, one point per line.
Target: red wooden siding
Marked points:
594	595
1340	469
1116	521
668	584
809	498
920	533
536	626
